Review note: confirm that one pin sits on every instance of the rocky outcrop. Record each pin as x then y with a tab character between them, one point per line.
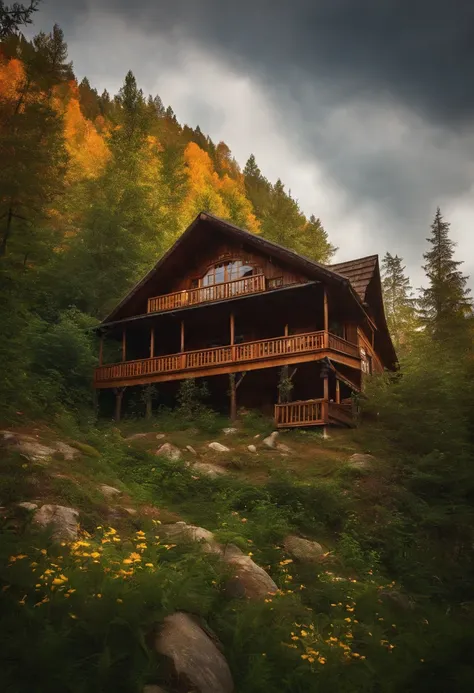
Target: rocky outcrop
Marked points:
182	532
229	431
251	448
363	462
33	449
271	440
211	470
248	579
26	505
218	447
62	520
109	491
303	549
196	661
170	451
68	452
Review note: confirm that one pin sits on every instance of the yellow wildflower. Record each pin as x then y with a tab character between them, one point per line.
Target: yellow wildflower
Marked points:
73	616
148	565
119	601
311	659
95	554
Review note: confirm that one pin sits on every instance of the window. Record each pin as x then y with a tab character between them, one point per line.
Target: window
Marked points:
227	272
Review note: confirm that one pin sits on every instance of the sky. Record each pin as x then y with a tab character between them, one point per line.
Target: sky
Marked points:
364	108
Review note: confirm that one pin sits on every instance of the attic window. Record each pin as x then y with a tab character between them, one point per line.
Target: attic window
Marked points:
227	272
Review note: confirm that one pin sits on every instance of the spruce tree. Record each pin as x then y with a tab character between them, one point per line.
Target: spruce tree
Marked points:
15	15
257	188
398	300
445	303
313	242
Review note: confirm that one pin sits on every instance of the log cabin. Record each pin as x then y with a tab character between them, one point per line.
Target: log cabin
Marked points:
266	328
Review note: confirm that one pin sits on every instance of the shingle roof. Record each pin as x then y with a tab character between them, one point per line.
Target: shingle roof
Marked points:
359	272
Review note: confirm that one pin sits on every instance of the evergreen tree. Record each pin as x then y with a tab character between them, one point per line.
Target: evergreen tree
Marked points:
89	100
14	16
257	188
445	303
398	300
283	221
313	242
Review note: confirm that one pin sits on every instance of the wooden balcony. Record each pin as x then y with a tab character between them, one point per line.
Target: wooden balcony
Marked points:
264	353
206	294
312	412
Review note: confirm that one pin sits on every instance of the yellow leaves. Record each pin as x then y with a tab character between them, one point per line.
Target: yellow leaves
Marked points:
12	81
20	557
87	149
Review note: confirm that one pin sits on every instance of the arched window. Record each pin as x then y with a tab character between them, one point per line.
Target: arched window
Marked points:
227	272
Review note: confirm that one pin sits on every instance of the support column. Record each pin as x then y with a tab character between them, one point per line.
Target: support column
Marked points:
181	346
119	391
152	342
124	345
326	319
286	330
338	391
233	397
326	389
232	334
101	349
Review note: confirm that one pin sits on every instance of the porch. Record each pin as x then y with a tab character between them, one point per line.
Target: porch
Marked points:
313	412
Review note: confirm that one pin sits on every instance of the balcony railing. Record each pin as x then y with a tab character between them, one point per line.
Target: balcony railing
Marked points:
205	294
311	412
262	350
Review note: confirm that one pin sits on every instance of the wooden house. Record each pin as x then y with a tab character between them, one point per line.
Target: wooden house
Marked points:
265	327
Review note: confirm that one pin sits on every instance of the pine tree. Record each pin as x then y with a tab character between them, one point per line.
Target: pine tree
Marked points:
313	242
398	300
14	16
283	221
445	304
257	188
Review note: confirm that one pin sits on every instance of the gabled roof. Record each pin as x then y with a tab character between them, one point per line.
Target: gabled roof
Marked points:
359	277
359	272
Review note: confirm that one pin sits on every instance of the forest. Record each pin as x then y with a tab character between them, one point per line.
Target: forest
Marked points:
94	188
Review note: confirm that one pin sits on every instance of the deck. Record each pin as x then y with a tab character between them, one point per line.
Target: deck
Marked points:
206	294
264	353
312	412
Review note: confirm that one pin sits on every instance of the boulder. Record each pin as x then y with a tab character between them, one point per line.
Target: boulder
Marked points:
170	451
248	579
130	511
281	447
27	445
63	521
211	470
27	506
109	491
218	447
196	660
190	449
303	549
397	598
182	532
361	461
270	441
251	448
160	436
229	431
66	450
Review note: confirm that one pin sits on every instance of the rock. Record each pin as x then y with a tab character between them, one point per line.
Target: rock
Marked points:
197	663
27	506
160	436
137	436
27	445
190	449
67	450
170	451
303	549
257	436
211	470
130	511
109	491
249	579
218	447
270	441
283	448
251	448
361	461
398	599
63	521
151	688
181	531
229	431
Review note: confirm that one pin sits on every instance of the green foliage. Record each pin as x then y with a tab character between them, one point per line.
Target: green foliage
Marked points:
398	300
14	16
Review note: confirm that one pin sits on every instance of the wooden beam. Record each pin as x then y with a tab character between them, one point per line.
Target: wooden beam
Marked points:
326	389
101	350
338	391
326	311
286	330
124	345
232	329
239	382
182	336
152	342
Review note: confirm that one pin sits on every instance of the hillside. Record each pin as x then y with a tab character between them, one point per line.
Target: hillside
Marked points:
346	609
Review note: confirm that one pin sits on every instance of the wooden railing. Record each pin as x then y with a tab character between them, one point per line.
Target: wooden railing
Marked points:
341	413
205	294
203	358
311	412
339	344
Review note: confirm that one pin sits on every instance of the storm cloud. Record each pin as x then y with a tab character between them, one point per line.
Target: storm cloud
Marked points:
363	107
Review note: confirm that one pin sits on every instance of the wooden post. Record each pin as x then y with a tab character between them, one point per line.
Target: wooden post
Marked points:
286	330
152	342
118	402
338	391
233	397
326	389
326	319
148	402
101	349
182	336
124	345
232	336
